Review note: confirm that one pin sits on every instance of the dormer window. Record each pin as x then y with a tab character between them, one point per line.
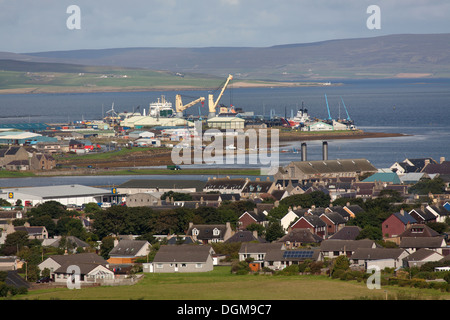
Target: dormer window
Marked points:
195	232
216	232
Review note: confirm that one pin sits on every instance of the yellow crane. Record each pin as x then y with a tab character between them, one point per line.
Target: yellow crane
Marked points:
180	107
213	104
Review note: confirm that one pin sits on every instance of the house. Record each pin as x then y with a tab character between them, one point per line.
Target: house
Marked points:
127	251
439	211
296	238
334	248
396	224
443	167
379	257
334	222
254	189
280	259
248	218
257	252
418	230
423	215
313	223
13	153
420	257
210	233
411	165
92	267
412	244
34	232
143	199
225	185
8	263
290	217
42	162
181	258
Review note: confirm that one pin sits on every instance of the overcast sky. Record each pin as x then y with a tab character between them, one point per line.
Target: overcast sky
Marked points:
33	26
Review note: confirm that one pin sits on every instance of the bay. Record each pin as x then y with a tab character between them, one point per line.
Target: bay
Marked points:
419	108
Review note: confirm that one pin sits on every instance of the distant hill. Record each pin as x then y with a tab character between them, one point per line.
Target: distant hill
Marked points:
393	56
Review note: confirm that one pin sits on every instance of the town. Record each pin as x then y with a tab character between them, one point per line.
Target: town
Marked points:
310	217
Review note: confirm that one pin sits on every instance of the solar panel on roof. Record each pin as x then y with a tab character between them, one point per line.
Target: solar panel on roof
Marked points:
298	254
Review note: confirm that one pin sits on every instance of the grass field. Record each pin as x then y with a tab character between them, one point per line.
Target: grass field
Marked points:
220	284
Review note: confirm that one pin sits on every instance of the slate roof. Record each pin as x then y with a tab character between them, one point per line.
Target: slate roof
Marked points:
257	187
421	242
405	218
345	245
301	235
183	253
244	236
441	168
255	248
335	166
346	233
231	184
420	255
128	248
419	230
335	217
376	253
205	231
164	184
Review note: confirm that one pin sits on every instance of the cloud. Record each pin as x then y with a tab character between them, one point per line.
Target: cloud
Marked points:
28	26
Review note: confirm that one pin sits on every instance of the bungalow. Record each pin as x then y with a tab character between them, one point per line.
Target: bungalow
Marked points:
412	244
380	257
91	266
280	259
34	232
127	251
245	236
335	248
181	258
421	257
257	252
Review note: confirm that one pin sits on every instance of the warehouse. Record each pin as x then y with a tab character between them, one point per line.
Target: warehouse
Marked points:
65	194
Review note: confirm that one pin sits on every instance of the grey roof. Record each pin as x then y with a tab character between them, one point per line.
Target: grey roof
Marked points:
233	184
164	184
183	253
313	220
419	230
376	253
332	166
244	236
72	240
79	258
346	245
49	192
346	233
420	255
335	217
422	242
257	186
128	248
301	235
254	248
205	231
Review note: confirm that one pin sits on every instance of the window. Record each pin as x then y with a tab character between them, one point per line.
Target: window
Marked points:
216	232
199	265
159	265
195	232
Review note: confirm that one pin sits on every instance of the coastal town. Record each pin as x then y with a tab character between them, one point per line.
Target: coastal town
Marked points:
306	218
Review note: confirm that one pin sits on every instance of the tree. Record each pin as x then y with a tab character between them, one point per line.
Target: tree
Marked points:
307	200
53	209
14	242
106	247
426	186
370	232
274	231
341	263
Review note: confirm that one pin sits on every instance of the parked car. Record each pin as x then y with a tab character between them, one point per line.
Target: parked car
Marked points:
44	280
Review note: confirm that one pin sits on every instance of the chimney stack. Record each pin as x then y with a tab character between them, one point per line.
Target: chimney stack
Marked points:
304	158
442	160
325	150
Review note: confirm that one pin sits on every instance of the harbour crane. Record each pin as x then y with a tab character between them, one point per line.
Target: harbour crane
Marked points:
180	107
348	117
213	104
328	108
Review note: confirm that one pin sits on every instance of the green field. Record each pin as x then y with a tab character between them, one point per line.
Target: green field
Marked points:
220	284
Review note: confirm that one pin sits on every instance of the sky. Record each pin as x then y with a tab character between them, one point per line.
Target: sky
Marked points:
36	26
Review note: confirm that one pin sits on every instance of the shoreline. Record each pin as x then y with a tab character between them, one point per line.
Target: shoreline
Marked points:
236	85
